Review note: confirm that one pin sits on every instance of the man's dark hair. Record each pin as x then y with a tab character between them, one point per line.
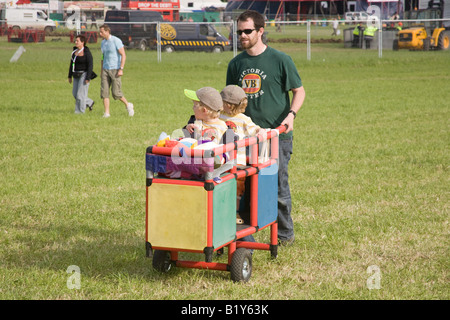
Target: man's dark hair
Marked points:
257	18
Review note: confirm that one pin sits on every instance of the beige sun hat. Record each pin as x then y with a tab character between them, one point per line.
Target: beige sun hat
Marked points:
206	95
233	94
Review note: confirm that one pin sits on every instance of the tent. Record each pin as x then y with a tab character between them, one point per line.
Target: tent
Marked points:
310	9
288	9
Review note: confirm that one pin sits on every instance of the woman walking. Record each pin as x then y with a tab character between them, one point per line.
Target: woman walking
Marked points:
81	65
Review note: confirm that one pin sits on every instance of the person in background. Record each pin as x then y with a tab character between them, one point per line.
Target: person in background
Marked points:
113	62
335	27
81	71
369	34
356	34
94	21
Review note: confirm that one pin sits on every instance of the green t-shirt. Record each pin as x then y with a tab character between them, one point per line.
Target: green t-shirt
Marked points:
267	80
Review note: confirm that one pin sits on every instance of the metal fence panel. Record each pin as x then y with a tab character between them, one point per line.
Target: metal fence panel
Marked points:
164	37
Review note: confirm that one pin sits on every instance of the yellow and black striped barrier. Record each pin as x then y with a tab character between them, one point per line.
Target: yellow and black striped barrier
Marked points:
194	43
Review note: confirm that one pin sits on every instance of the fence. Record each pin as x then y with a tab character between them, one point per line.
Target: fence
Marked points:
320	31
220	36
26	36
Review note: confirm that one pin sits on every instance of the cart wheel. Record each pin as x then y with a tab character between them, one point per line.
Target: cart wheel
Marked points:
241	265
274	251
161	261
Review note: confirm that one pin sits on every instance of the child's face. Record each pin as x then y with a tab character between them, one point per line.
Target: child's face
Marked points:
226	107
199	111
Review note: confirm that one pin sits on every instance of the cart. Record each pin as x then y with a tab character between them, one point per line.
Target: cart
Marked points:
199	215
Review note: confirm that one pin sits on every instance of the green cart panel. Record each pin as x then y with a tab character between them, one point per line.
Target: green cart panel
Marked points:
224	209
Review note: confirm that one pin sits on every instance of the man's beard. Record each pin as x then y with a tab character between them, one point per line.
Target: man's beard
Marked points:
249	43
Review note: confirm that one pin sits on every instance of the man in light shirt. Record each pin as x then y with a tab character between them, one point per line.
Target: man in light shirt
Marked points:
113	62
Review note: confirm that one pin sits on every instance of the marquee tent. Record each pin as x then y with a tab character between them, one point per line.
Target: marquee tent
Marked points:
306	9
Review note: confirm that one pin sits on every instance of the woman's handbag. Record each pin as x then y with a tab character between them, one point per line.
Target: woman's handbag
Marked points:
77	74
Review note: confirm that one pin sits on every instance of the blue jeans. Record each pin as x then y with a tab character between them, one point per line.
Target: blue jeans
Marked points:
285	223
80	93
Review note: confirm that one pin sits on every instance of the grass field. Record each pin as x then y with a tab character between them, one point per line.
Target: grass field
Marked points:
369	178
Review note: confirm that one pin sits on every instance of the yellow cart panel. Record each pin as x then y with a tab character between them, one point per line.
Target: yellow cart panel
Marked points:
177	216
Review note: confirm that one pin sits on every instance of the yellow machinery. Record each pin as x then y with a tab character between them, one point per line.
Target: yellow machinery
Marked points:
425	34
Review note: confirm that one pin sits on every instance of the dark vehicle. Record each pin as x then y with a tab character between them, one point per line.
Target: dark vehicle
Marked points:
136	28
192	36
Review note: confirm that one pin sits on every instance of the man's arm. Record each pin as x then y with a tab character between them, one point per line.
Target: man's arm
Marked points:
231	78
298	96
122	60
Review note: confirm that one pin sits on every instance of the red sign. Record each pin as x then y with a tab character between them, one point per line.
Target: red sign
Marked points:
155	5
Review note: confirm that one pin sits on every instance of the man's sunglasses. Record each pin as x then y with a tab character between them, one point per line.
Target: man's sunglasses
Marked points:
246	31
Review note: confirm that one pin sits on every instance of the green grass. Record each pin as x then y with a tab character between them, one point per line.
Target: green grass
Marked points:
369	178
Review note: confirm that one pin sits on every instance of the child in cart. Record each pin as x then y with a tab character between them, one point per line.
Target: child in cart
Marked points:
204	131
234	105
205	125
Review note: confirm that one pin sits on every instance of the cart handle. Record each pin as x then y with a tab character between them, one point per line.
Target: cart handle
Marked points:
219	150
282	128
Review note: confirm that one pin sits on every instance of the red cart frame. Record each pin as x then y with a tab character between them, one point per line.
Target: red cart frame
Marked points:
239	264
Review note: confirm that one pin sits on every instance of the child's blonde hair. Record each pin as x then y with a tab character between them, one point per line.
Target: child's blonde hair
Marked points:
237	108
211	113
